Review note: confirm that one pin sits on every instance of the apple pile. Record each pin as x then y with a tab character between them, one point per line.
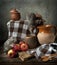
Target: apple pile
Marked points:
21	46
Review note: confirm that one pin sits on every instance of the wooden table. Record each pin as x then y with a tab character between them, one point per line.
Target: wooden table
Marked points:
4	60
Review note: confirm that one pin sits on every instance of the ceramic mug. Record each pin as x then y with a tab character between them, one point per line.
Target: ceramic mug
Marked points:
31	41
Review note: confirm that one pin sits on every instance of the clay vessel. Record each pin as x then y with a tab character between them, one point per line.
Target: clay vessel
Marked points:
14	14
31	41
46	34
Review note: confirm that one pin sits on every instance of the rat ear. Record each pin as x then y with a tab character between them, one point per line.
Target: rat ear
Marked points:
32	17
38	15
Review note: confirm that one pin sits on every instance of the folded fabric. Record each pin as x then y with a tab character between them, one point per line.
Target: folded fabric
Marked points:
44	50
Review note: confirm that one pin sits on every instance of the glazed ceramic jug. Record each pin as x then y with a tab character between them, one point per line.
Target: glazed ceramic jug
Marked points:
46	34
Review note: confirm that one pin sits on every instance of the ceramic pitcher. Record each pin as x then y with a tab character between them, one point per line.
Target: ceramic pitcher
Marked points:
46	34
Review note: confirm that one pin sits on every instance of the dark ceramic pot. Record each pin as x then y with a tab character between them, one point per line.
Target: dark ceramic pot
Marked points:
32	42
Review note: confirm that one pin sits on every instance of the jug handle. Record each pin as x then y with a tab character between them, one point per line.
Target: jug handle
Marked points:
55	32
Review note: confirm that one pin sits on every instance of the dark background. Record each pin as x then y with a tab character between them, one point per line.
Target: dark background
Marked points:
47	8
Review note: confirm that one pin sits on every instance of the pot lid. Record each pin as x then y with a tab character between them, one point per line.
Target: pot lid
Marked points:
14	11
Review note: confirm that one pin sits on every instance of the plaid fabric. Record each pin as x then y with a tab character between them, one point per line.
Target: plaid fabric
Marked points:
9	43
18	29
45	50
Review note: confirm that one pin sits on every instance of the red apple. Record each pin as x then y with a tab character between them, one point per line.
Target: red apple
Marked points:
11	53
24	47
16	47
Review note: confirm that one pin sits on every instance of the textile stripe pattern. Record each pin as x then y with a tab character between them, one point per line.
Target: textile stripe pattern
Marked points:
44	50
18	29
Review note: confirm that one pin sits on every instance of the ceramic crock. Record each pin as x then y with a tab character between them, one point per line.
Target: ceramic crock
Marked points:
31	41
46	34
14	14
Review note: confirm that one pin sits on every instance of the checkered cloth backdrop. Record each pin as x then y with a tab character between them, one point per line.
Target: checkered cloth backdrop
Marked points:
18	29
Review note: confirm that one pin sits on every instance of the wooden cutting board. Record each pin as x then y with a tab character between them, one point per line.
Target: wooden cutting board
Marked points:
24	55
